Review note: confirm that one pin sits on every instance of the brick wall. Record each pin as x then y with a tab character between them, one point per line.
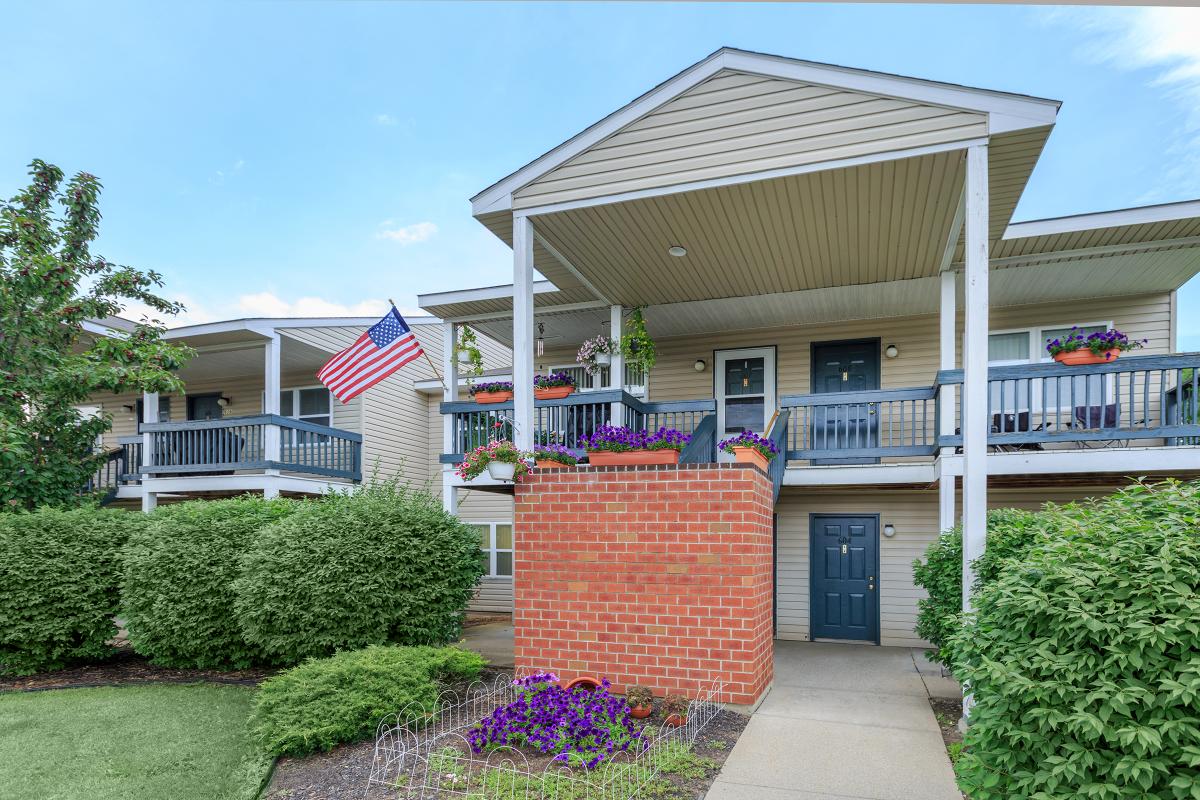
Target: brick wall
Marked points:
646	575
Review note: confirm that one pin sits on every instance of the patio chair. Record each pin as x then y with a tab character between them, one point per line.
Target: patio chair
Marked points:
1011	422
1101	417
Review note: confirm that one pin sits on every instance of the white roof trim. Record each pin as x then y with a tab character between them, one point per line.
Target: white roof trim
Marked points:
265	326
481	293
1006	112
1142	215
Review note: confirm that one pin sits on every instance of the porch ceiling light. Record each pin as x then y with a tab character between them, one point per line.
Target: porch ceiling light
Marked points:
677	251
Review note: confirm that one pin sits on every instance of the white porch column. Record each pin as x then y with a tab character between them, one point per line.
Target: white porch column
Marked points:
523	332
271	389
947	396
149	414
616	370
975	424
449	394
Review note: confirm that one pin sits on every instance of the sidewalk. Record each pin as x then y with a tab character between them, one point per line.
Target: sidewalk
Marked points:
843	721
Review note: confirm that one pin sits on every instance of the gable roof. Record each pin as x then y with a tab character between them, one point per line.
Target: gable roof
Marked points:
1005	112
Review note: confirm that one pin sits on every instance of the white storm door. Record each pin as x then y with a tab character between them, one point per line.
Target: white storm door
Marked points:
744	390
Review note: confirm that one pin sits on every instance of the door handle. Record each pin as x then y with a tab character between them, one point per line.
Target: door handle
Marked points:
871	583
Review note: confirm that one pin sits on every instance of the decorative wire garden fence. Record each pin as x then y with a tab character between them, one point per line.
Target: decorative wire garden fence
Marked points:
421	754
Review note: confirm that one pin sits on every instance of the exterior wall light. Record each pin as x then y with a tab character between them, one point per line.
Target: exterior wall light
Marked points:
891	351
889	530
699	365
224	401
677	251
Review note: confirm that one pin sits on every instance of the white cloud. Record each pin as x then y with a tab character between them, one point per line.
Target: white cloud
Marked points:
268	304
386	120
229	172
1165	42
409	234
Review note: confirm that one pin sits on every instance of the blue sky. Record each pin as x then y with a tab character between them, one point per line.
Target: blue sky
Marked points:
308	157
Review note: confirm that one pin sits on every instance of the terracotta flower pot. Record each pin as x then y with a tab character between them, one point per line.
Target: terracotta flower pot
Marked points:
631	458
545	463
584	682
1075	358
493	397
750	455
552	392
676	720
640	712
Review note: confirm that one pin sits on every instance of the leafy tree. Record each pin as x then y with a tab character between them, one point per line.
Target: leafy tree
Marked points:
50	283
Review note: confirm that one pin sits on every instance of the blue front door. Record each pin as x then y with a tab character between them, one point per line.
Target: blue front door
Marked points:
845	568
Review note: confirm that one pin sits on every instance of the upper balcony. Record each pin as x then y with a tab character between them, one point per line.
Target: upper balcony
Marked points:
1097	418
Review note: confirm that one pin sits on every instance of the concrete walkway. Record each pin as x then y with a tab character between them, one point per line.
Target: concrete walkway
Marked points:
493	640
843	721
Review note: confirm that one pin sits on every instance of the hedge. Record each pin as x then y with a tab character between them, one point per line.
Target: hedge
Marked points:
177	595
59	585
1010	532
381	565
1084	659
325	702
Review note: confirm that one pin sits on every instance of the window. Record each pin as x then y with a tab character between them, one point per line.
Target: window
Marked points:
308	403
495	548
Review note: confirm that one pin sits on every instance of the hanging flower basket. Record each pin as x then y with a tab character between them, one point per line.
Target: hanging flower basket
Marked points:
501	460
613	446
495	392
603	359
502	470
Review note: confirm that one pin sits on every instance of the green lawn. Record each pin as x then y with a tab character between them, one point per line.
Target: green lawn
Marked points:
155	742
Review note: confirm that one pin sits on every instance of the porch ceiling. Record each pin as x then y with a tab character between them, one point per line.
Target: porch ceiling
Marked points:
884	221
247	359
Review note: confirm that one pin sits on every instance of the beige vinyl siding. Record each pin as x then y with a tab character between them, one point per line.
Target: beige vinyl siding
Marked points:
736	123
915	516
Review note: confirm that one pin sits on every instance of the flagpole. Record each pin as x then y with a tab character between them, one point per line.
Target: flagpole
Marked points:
427	358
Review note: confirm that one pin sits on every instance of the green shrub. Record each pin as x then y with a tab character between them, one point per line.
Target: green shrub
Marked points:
328	701
1084	660
381	565
177	597
1010	532
59	579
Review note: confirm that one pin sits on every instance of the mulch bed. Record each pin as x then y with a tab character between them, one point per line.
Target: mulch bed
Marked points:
125	668
342	773
947	712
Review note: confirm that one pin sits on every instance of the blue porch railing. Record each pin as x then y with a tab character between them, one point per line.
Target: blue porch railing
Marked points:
567	421
861	425
240	443
1129	401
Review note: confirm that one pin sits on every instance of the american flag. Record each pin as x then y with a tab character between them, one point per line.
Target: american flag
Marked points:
386	347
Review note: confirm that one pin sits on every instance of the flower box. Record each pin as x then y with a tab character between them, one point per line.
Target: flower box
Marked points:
552	392
1075	358
630	458
750	455
485	398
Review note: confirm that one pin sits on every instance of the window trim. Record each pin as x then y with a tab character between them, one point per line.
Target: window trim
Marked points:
492	550
1037	348
295	390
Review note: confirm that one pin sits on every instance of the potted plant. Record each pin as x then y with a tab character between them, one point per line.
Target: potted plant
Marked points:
636	345
750	448
641	701
500	459
1094	348
492	392
675	708
467	352
596	353
611	446
548	456
554	386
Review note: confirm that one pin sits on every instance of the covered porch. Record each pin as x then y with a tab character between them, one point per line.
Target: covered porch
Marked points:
252	418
